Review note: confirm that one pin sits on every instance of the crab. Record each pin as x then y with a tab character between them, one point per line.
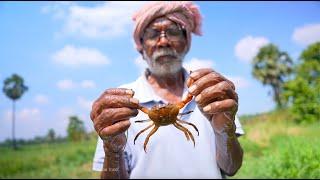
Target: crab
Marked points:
167	114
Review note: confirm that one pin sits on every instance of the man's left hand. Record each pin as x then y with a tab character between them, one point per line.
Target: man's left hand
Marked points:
215	96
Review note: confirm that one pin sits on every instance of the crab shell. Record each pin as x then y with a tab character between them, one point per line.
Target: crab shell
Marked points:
164	114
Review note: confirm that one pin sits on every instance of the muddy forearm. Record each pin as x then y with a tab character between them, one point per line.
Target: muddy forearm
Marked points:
114	166
229	153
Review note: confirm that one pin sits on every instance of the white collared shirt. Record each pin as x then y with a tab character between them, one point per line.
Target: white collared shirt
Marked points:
169	154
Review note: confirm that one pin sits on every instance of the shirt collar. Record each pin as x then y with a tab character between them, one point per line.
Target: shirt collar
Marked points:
146	93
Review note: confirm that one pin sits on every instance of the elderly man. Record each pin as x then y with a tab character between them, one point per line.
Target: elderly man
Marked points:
163	37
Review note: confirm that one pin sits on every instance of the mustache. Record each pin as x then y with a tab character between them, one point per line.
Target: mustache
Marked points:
164	52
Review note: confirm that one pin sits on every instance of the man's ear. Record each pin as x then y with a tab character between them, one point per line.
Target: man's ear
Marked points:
143	54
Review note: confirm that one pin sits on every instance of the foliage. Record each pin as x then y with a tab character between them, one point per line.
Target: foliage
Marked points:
272	66
14	87
303	92
51	136
276	147
296	159
76	130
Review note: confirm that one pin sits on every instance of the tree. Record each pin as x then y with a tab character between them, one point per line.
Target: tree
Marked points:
51	136
76	130
272	66
14	88
302	93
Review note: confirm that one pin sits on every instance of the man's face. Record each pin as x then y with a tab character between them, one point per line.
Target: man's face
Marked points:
164	47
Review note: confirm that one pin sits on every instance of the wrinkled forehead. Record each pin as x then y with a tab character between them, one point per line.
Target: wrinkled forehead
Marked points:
161	21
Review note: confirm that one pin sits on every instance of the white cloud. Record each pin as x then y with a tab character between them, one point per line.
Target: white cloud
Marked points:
87	84
106	20
28	114
84	103
307	34
248	47
28	123
196	63
239	82
58	9
24	115
41	99
78	56
66	84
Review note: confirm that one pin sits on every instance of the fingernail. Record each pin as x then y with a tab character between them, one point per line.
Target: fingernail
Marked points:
134	100
192	88
127	123
198	98
129	91
207	108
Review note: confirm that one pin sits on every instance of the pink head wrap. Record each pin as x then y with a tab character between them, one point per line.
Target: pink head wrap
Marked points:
184	13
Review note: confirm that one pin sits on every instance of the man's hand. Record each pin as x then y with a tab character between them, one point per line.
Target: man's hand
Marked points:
215	96
110	115
218	101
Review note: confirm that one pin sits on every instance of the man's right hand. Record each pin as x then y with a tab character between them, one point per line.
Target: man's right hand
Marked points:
111	113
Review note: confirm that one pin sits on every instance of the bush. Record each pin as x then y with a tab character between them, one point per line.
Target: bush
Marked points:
302	93
294	158
76	130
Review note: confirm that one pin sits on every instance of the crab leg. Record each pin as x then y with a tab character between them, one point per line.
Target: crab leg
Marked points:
189	124
185	133
143	109
185	101
134	142
186	130
149	135
189	97
140	121
185	113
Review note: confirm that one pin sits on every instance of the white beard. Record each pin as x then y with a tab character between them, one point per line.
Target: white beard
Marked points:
168	65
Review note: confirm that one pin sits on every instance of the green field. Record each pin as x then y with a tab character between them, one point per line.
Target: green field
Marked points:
274	147
56	160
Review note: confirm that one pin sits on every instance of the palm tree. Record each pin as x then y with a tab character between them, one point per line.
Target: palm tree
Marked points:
14	88
271	67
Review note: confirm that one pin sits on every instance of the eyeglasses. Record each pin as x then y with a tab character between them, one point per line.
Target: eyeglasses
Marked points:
173	33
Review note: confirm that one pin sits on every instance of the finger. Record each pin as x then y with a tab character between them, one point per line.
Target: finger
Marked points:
111	91
112	115
205	81
218	92
115	129
221	106
117	91
195	75
113	101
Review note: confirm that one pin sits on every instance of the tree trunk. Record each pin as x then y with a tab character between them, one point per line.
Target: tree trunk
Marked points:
276	92
14	145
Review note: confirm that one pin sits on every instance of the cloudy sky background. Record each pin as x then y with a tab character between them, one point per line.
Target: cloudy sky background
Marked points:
69	52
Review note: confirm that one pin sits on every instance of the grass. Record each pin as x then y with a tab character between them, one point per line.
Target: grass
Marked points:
57	160
274	147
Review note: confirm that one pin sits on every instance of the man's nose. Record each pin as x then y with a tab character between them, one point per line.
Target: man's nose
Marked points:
163	41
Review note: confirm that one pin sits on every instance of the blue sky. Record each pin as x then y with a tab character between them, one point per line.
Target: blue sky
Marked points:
68	53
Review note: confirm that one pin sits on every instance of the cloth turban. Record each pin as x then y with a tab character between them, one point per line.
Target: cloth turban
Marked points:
184	13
